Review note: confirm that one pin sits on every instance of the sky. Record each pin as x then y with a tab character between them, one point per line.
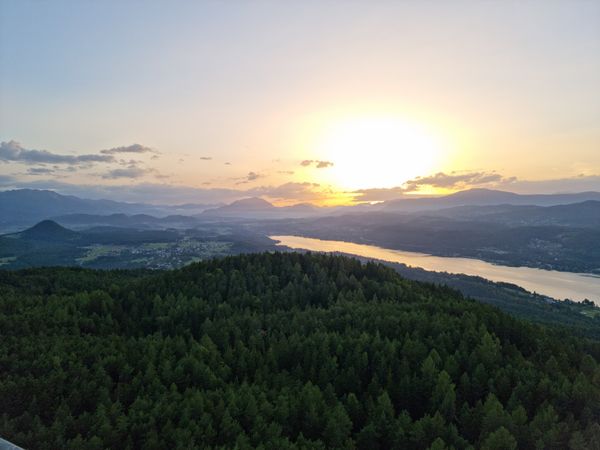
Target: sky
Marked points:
317	101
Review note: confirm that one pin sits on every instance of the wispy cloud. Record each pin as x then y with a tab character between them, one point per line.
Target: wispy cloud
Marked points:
290	191
324	164
252	176
440	180
134	148
316	163
128	172
133	170
455	179
468	180
378	194
130	162
40	171
15	152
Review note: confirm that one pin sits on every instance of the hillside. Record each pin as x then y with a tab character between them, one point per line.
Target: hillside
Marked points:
579	318
281	351
112	247
48	230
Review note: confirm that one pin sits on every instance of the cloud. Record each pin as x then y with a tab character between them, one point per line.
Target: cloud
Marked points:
134	148
124	162
468	180
252	176
289	191
13	151
132	171
206	158
440	180
39	171
454	180
286	172
378	194
317	163
324	164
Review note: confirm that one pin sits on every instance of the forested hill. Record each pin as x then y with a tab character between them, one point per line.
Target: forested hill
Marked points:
280	351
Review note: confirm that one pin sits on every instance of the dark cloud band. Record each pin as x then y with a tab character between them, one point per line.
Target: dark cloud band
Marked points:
13	151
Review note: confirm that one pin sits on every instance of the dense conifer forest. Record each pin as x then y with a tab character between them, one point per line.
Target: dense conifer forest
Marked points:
282	351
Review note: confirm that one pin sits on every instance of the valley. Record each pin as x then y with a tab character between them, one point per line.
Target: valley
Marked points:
104	247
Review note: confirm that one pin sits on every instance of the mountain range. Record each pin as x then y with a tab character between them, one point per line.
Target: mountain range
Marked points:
25	207
258	208
485	197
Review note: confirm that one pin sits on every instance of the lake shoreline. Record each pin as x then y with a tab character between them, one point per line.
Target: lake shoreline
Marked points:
551	283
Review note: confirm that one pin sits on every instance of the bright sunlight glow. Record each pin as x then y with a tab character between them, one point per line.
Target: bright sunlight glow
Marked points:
377	151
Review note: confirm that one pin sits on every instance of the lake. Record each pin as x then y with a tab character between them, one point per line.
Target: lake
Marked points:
555	284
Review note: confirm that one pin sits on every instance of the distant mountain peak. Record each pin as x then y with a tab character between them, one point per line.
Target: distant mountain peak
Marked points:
251	203
46	225
48	230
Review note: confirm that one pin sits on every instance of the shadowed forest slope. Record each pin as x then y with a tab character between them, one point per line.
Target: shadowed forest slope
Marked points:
281	351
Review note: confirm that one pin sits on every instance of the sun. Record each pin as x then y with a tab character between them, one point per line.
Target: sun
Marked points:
377	151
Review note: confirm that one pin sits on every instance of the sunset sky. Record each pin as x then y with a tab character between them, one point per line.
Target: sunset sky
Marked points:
329	102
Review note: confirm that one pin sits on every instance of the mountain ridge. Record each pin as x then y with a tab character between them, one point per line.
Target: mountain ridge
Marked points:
25	207
486	197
